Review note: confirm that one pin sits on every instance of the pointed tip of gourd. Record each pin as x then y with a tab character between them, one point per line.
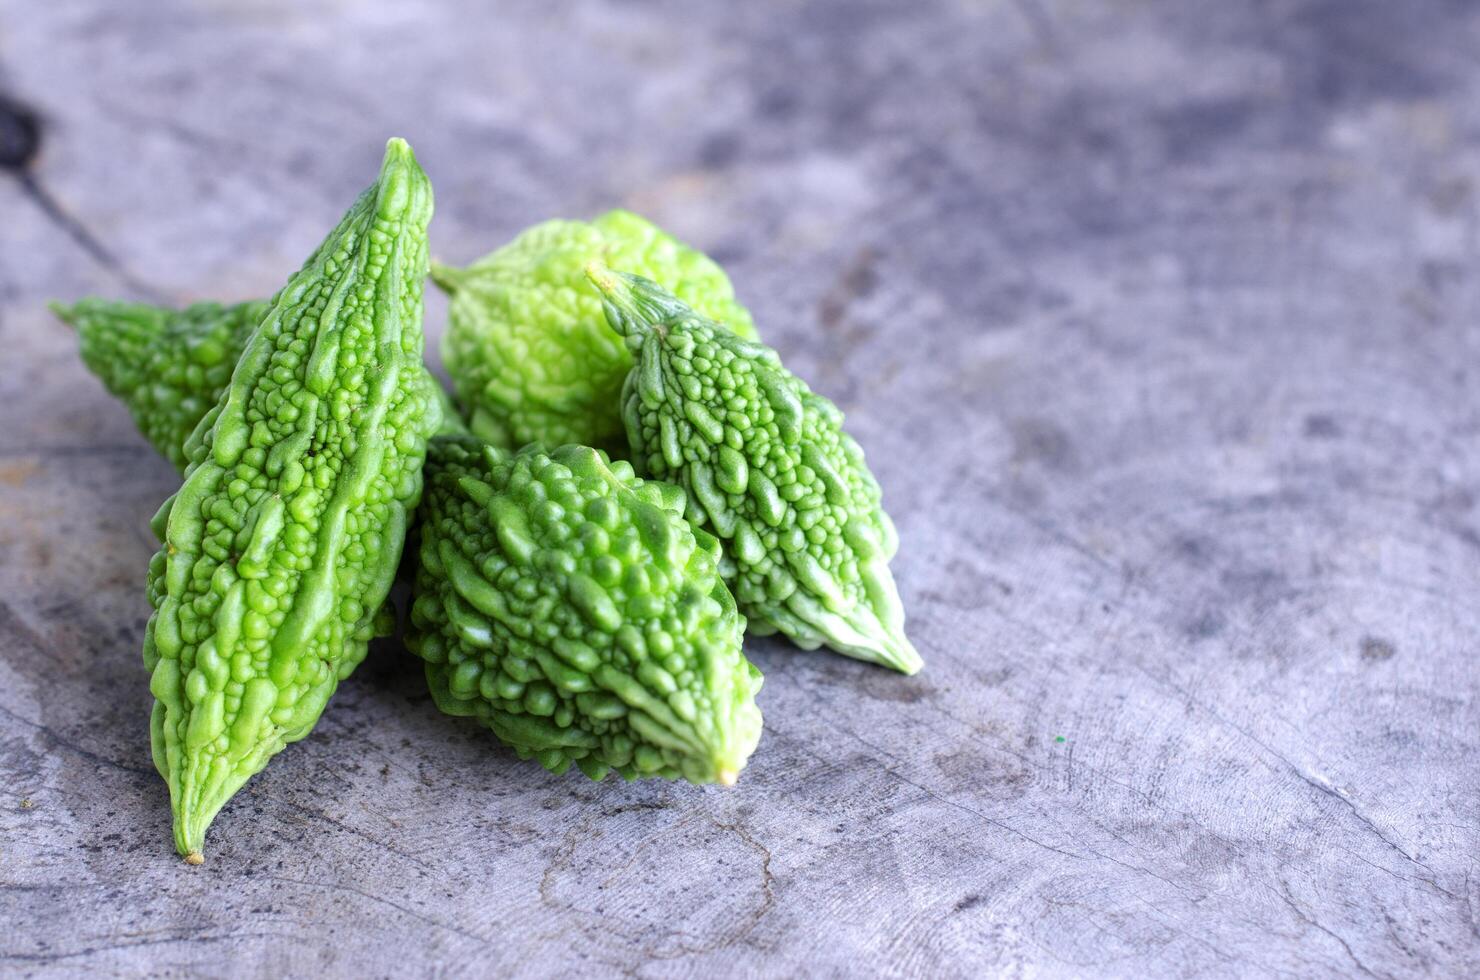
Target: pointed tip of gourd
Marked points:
193	821
727	777
190	842
617	299
402	191
900	654
62	311
447	278
602	278
398	149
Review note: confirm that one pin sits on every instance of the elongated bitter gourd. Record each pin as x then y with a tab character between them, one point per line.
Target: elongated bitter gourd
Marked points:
282	543
167	366
766	465
570	608
527	347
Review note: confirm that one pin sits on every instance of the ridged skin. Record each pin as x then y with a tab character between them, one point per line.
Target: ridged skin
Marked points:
570	608
167	366
767	466
527	347
282	543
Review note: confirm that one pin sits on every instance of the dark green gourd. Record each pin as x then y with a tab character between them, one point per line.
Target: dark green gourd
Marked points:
571	609
167	366
768	468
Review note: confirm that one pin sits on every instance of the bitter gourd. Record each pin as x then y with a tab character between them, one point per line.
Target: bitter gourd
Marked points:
570	608
529	353
167	366
767	465
282	543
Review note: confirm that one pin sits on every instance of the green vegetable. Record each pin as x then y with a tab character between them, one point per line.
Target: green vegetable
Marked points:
527	348
452	423
168	366
570	608
281	545
768	467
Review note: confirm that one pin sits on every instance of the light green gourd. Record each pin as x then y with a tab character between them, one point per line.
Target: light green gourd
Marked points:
527	347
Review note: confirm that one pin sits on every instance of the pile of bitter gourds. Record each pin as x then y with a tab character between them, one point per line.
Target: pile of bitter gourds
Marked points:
628	482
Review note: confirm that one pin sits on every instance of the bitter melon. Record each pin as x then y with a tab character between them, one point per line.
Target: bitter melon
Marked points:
529	353
570	608
282	543
169	367
767	465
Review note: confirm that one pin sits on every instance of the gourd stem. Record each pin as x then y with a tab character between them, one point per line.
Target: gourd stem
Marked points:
448	278
627	311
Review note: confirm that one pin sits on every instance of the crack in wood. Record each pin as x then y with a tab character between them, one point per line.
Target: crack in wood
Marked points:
20	145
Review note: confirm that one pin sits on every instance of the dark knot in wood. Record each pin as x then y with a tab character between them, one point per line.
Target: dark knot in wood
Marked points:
20	134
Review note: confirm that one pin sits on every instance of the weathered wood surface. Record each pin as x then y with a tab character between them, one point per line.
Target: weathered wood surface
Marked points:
1160	323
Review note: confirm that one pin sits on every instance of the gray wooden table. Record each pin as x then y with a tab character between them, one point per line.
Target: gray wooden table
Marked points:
1160	323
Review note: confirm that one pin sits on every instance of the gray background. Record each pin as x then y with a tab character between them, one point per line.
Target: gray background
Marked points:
1158	322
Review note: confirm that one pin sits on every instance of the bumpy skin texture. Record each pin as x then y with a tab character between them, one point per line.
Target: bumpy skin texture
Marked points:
282	543
527	347
570	608
767	465
167	366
